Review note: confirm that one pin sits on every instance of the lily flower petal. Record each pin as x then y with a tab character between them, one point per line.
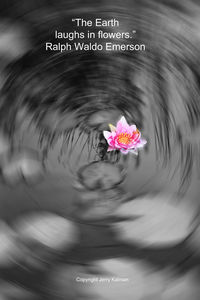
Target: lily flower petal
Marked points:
124	151
122	125
107	134
141	143
112	128
134	151
133	128
111	149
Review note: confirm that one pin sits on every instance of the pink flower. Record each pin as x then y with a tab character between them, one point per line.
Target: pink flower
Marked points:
124	137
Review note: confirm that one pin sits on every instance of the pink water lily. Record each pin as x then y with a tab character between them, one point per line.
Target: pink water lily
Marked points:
124	137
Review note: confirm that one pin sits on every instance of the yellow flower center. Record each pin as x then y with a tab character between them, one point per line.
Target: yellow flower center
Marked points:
124	138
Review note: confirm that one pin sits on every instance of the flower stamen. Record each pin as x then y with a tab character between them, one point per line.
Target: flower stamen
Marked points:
125	138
